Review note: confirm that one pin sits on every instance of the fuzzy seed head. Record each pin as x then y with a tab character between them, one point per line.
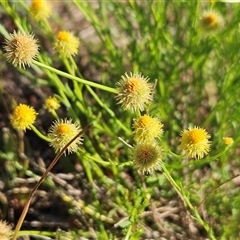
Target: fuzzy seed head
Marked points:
147	129
66	44
21	49
5	230
62	132
147	157
135	92
194	142
211	21
40	9
51	103
23	116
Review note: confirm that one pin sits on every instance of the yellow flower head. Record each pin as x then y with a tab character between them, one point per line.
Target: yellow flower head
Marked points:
66	44
211	21
227	140
135	93
23	116
146	129
51	103
62	132
5	230
194	142
21	49
147	157
40	9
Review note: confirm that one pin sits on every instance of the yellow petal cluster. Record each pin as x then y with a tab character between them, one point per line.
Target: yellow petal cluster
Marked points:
228	140
195	142
62	132
66	44
135	92
51	103
23	116
40	9
147	129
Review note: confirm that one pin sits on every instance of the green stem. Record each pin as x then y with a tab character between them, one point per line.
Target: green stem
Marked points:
39	134
36	233
67	65
74	78
71	67
188	203
73	63
13	13
198	162
128	232
138	113
56	81
88	169
175	155
54	113
207	160
111	113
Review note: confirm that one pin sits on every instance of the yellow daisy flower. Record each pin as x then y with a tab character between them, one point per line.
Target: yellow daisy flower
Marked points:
62	132
40	9
147	129
23	116
51	103
194	141
66	44
135	92
227	140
